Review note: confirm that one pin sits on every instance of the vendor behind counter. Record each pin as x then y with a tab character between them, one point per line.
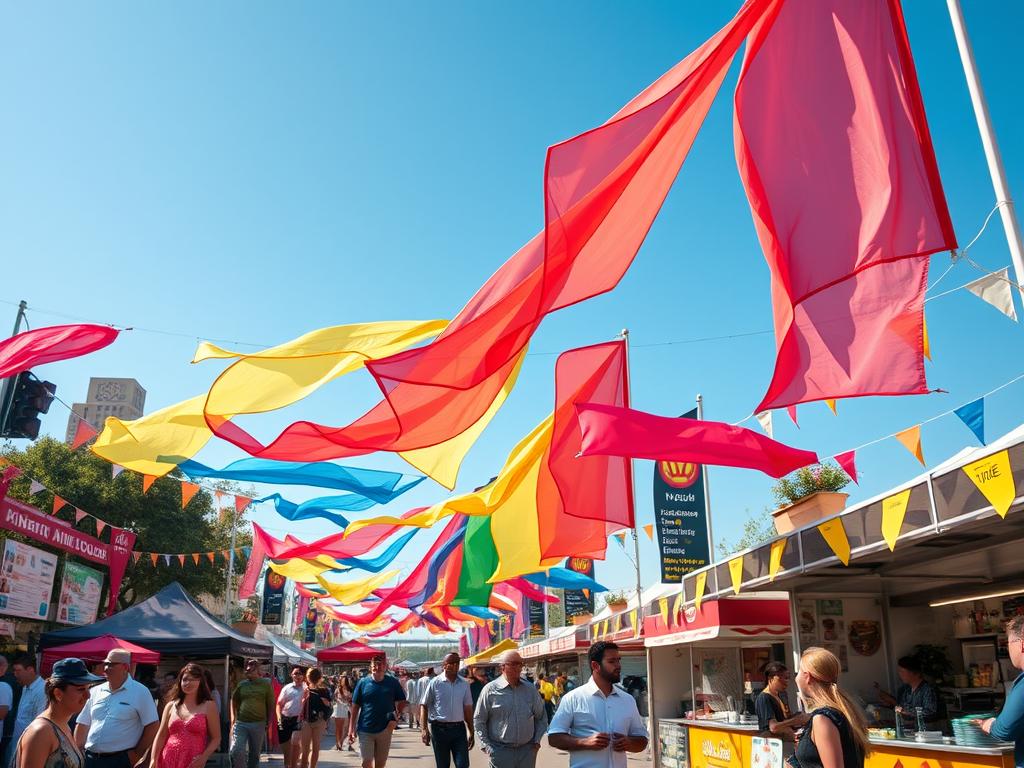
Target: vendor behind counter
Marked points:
915	693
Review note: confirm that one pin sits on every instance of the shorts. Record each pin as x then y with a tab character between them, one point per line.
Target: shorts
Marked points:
375	746
286	728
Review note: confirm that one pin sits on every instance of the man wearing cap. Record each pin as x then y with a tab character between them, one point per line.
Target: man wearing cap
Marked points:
251	705
117	726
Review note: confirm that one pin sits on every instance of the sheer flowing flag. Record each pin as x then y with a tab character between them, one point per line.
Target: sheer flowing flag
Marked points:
25	351
602	190
835	155
611	431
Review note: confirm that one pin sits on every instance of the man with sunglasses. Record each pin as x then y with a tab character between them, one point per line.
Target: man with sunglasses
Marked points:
289	707
510	717
1009	726
118	724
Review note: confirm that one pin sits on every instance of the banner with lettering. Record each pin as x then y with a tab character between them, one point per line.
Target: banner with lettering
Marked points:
120	550
537	623
310	622
272	611
579	602
681	517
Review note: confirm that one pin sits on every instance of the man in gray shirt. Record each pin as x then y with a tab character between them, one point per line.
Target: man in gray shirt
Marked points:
509	719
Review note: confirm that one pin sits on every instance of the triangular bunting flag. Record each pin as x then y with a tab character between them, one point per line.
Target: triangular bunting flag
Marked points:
848	462
181	560
224	554
195	558
115	470
775	558
677	609
911	440
995	289
618	622
894	510
994	478
167	559
736	573
791	410
832	407
100	525
58	504
153	556
663	610
649	530
210	556
35	487
699	586
926	345
765	420
188	490
79	514
241	502
147	482
973	415
835	536
621	538
84	432
136	556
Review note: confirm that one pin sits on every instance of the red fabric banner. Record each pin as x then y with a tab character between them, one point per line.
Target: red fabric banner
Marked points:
120	550
847	211
247	587
602	190
336	545
48	345
611	431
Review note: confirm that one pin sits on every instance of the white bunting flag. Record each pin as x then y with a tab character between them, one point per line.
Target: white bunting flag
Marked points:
35	487
765	420
115	470
995	289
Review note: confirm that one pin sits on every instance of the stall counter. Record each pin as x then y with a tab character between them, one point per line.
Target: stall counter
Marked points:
686	743
887	753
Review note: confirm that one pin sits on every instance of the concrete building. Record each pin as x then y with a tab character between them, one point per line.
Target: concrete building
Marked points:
123	398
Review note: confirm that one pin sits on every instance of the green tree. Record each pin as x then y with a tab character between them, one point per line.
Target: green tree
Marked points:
556	611
156	517
756	530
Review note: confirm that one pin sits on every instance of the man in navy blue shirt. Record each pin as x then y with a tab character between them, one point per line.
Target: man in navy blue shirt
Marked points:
1009	726
377	703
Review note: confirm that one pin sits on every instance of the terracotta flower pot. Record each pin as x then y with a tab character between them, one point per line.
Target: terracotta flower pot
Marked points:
247	628
617	606
581	619
810	509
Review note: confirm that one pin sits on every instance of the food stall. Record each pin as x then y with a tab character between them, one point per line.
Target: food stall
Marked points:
563	651
928	568
706	666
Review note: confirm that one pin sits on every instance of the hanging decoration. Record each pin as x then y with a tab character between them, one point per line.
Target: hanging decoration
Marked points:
894	510
993	476
995	289
24	351
778	548
834	534
973	415
736	573
911	440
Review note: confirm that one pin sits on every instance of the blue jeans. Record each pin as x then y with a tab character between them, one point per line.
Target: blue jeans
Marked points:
247	737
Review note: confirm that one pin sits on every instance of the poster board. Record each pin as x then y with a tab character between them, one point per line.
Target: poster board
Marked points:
80	588
26	580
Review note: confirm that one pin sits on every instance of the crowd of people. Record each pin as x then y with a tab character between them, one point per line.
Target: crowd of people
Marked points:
77	719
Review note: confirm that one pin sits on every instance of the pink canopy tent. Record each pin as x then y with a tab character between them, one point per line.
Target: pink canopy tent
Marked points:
350	650
95	649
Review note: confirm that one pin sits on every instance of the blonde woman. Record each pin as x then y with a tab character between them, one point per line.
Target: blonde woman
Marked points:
316	710
342	703
837	735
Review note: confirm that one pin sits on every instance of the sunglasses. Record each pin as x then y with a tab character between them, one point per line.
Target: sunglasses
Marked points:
109	664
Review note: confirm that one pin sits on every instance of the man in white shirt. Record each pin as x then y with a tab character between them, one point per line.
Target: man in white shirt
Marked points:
119	721
598	723
33	696
289	707
448	708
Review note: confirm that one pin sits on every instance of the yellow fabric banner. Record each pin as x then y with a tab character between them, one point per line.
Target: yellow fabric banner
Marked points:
736	573
699	586
926	345
353	591
775	558
302	569
993	476
911	440
894	509
663	610
255	383
835	536
832	406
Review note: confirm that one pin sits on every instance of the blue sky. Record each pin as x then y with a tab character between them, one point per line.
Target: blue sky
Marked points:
248	173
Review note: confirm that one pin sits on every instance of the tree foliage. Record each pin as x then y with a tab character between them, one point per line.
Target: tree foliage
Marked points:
756	530
160	524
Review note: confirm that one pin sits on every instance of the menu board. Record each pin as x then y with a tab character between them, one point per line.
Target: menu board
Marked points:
673	745
80	589
26	580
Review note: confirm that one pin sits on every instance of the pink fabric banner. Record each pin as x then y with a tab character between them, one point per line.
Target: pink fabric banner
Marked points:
48	345
611	431
835	155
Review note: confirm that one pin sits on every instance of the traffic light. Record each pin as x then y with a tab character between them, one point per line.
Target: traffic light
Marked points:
31	397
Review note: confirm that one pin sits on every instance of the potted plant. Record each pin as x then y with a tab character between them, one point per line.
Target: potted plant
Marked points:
616	601
808	495
582	618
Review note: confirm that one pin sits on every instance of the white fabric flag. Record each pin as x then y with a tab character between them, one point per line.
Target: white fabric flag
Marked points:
115	470
35	487
996	290
764	418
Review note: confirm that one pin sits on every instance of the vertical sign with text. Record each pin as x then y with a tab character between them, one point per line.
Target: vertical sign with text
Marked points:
681	517
537	622
579	602
272	611
310	622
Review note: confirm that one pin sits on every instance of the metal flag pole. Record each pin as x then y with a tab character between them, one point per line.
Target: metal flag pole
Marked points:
7	395
707	499
988	140
231	568
632	477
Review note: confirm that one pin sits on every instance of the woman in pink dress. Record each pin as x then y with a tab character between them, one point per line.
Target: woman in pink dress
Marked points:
190	727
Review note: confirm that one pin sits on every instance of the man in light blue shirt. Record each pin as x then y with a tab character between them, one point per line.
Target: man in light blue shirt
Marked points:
1009	726
33	696
448	708
598	723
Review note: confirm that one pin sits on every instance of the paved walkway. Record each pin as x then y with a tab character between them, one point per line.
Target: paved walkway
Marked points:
407	751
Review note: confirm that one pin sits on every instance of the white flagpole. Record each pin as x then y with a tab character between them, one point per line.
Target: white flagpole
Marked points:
632	476
988	141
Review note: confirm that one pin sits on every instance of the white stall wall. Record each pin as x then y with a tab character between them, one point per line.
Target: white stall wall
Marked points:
670	679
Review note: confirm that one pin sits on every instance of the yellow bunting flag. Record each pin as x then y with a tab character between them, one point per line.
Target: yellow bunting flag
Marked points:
894	509
832	405
926	345
775	558
188	490
835	536
633	616
994	478
663	610
736	573
618	622
677	610
911	440
698	593
649	530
